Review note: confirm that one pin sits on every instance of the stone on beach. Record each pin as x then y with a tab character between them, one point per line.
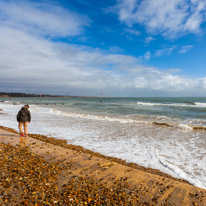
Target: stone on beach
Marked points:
47	171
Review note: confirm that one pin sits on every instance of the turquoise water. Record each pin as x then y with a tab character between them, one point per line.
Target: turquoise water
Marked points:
183	108
125	128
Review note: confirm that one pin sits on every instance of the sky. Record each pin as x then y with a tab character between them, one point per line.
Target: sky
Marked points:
121	48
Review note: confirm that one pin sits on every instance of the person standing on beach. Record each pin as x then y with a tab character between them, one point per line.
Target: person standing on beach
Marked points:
23	117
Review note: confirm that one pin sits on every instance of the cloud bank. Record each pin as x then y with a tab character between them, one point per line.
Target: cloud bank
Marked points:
168	18
31	62
42	18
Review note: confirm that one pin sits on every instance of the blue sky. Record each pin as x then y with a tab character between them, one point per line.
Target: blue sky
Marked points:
117	47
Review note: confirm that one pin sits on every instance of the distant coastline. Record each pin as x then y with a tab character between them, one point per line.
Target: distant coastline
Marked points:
14	94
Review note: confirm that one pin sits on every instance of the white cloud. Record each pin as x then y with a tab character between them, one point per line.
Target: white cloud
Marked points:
31	63
169	18
115	50
164	52
41	18
185	49
149	39
147	55
202	82
133	31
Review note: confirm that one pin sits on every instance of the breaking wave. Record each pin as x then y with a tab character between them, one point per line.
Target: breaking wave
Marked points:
129	121
191	104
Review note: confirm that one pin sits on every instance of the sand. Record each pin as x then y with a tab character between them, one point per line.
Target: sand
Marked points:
46	171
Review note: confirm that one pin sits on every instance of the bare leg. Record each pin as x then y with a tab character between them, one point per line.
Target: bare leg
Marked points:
26	128
20	127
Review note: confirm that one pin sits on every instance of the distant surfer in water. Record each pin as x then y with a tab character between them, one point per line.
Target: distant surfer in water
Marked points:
23	117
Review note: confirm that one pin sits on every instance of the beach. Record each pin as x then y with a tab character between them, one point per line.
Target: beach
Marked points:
47	171
166	134
112	98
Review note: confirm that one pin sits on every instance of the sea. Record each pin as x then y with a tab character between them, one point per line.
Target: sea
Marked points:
168	134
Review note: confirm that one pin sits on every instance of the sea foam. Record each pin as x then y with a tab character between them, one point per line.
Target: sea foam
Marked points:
178	152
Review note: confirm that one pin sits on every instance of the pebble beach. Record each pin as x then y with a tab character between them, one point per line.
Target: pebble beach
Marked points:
42	170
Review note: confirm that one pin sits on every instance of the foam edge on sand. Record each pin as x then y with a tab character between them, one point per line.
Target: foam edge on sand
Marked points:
80	176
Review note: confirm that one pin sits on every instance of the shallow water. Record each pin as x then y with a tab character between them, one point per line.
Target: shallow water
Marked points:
123	128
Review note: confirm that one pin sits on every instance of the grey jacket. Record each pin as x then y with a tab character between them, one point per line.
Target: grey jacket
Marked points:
24	115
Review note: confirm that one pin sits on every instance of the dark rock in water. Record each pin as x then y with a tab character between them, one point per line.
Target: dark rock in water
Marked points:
199	128
162	124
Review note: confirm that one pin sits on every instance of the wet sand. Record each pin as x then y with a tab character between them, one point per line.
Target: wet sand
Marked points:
47	171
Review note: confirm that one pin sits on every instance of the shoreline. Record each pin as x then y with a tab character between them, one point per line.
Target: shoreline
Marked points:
63	143
80	171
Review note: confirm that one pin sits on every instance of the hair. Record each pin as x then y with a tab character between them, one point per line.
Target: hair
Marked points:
26	105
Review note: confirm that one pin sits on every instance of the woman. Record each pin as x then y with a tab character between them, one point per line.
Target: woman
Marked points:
23	117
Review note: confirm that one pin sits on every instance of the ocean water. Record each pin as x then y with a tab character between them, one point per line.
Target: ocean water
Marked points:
125	128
